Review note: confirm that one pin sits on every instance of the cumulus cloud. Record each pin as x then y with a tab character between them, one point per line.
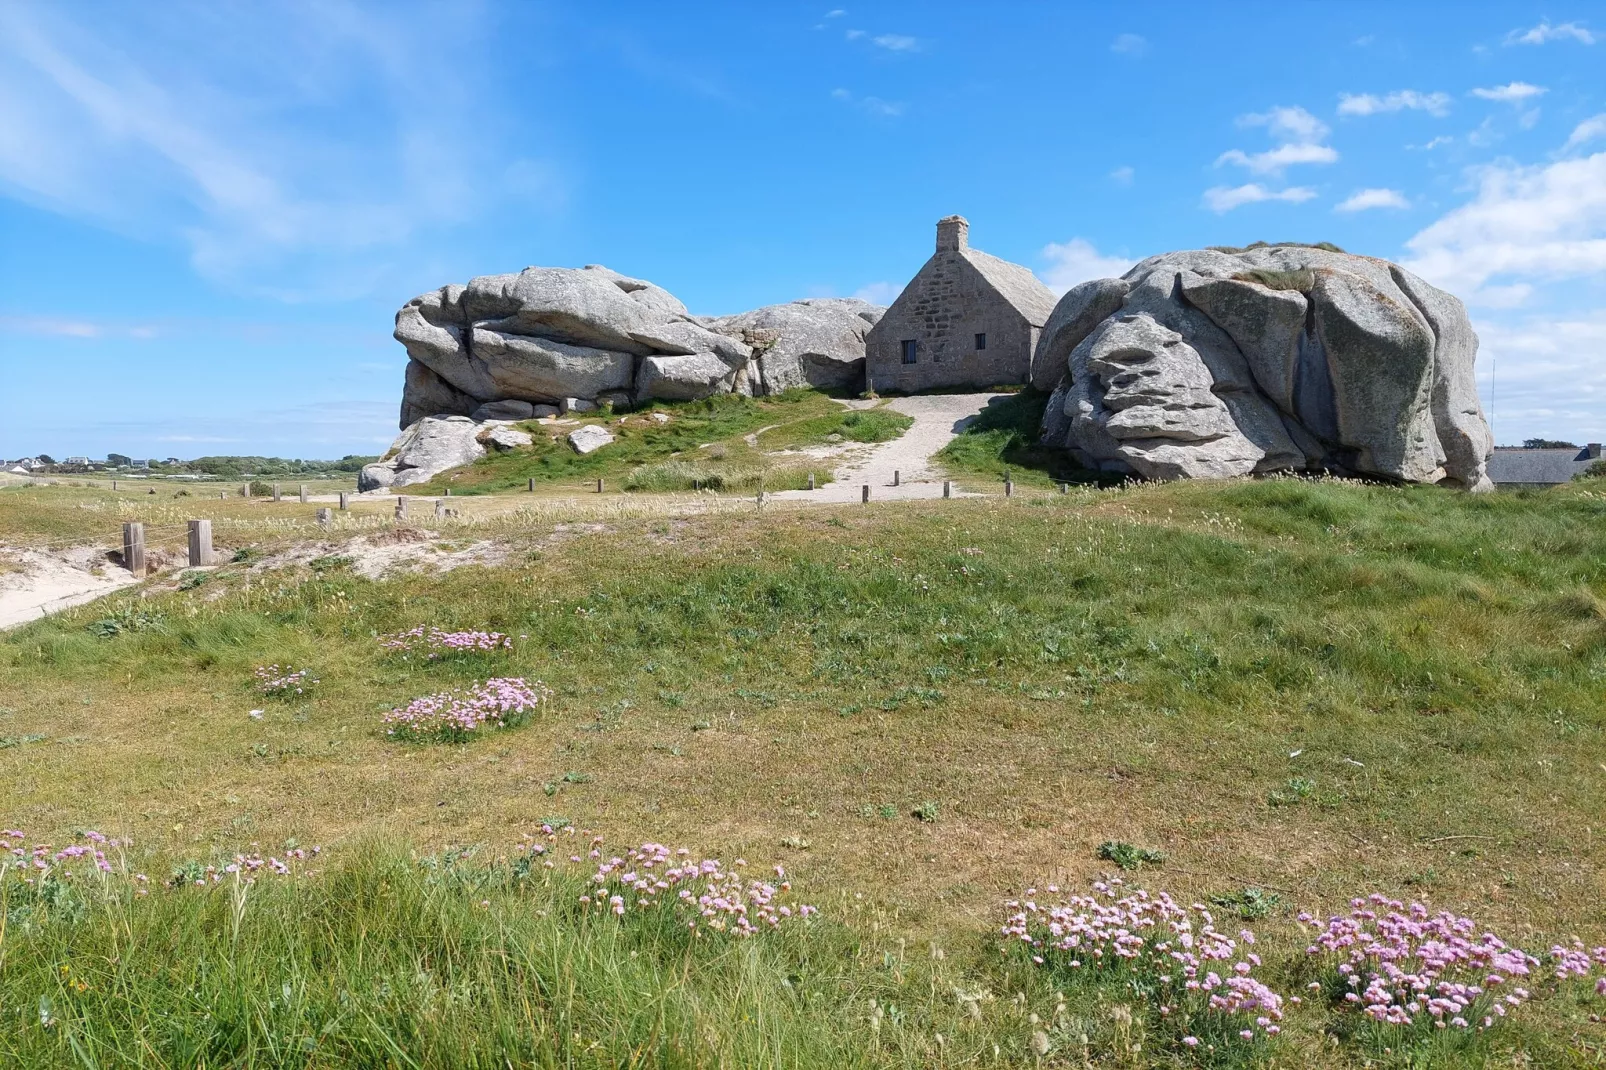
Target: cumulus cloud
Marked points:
1221	199
1510	93
1364	199
883	109
1399	100
1288	124
1068	263
1545	32
1129	44
1543	376
1525	223
1588	130
1298	133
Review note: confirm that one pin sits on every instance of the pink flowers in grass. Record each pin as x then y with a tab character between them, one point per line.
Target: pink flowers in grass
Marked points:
702	892
44	860
1203	978
282	681
1402	966
435	643
458	714
245	868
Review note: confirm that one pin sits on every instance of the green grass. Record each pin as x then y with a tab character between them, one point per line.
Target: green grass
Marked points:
847	425
1310	689
1003	441
705	437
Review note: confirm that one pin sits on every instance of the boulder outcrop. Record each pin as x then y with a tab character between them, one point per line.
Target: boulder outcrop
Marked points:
1217	363
430	446
561	336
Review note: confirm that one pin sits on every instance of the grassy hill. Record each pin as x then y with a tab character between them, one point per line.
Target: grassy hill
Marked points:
1282	694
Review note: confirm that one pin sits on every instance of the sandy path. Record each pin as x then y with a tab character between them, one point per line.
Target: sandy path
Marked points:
938	418
49	582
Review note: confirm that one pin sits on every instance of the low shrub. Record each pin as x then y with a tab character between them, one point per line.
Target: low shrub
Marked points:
461	713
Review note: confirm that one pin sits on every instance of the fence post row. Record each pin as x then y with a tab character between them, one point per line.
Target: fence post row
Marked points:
134	548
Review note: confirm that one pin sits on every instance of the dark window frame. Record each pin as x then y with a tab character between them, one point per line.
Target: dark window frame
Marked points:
981	341
911	351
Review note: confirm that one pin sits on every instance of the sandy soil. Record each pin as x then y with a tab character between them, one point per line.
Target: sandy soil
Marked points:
938	418
38	582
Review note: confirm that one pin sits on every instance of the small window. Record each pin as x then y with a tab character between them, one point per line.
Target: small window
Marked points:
908	350
981	341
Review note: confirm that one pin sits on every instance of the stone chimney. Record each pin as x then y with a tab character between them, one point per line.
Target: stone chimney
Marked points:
1593	449
953	234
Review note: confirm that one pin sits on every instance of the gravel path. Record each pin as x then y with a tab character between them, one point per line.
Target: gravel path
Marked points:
938	418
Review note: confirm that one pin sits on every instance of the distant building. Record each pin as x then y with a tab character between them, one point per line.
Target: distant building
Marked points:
966	319
1519	468
76	460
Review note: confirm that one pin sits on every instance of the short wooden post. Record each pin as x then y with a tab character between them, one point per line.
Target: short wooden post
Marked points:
200	543
302	493
401	507
696	484
222	495
1065	488
276	492
864	493
134	548
448	492
897	477
325	517
440	508
1009	488
811	480
947	489
532	484
345	502
599	486
114	484
245	490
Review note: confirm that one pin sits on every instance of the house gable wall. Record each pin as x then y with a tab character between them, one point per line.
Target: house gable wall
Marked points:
943	308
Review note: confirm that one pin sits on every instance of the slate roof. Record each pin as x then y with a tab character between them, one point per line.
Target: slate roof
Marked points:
1540	466
1016	284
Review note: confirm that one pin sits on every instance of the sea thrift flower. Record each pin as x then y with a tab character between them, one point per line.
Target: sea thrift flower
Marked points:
703	892
436	643
1202	977
502	702
283	681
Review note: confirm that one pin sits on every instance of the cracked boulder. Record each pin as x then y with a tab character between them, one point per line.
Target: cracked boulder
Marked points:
1214	363
423	451
817	342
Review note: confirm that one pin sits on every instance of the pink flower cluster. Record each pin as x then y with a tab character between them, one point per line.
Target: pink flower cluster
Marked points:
1177	946
248	867
42	859
1403	963
1574	961
703	891
283	680
501	702
434	643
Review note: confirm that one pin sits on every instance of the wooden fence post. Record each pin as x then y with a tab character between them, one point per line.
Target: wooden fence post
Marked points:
134	548
401	507
1009	488
864	493
200	543
947	489
599	486
276	492
897	477
811	480
325	517
532	484
303	493
345	503
440	508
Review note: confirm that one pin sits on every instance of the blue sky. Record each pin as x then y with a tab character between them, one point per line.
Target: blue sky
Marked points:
209	212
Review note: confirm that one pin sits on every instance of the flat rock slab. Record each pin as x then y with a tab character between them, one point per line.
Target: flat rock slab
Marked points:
590	438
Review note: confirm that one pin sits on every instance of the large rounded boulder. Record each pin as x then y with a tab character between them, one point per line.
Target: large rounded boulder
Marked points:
1218	363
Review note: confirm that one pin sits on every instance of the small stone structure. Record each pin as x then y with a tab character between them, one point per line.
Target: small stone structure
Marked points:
966	319
1520	468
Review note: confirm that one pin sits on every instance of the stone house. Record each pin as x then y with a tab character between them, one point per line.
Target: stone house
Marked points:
1531	468
966	319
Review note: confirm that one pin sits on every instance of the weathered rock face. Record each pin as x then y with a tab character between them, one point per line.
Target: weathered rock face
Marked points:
427	448
554	336
1208	364
816	342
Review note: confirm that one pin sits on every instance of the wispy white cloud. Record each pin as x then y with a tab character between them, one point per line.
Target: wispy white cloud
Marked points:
1525	224
1400	100
1288	124
896	42
1224	199
835	13
1365	199
1076	261
1545	32
878	293
1274	160
885	109
209	134
1510	93
1588	130
1122	176
853	35
1129	44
